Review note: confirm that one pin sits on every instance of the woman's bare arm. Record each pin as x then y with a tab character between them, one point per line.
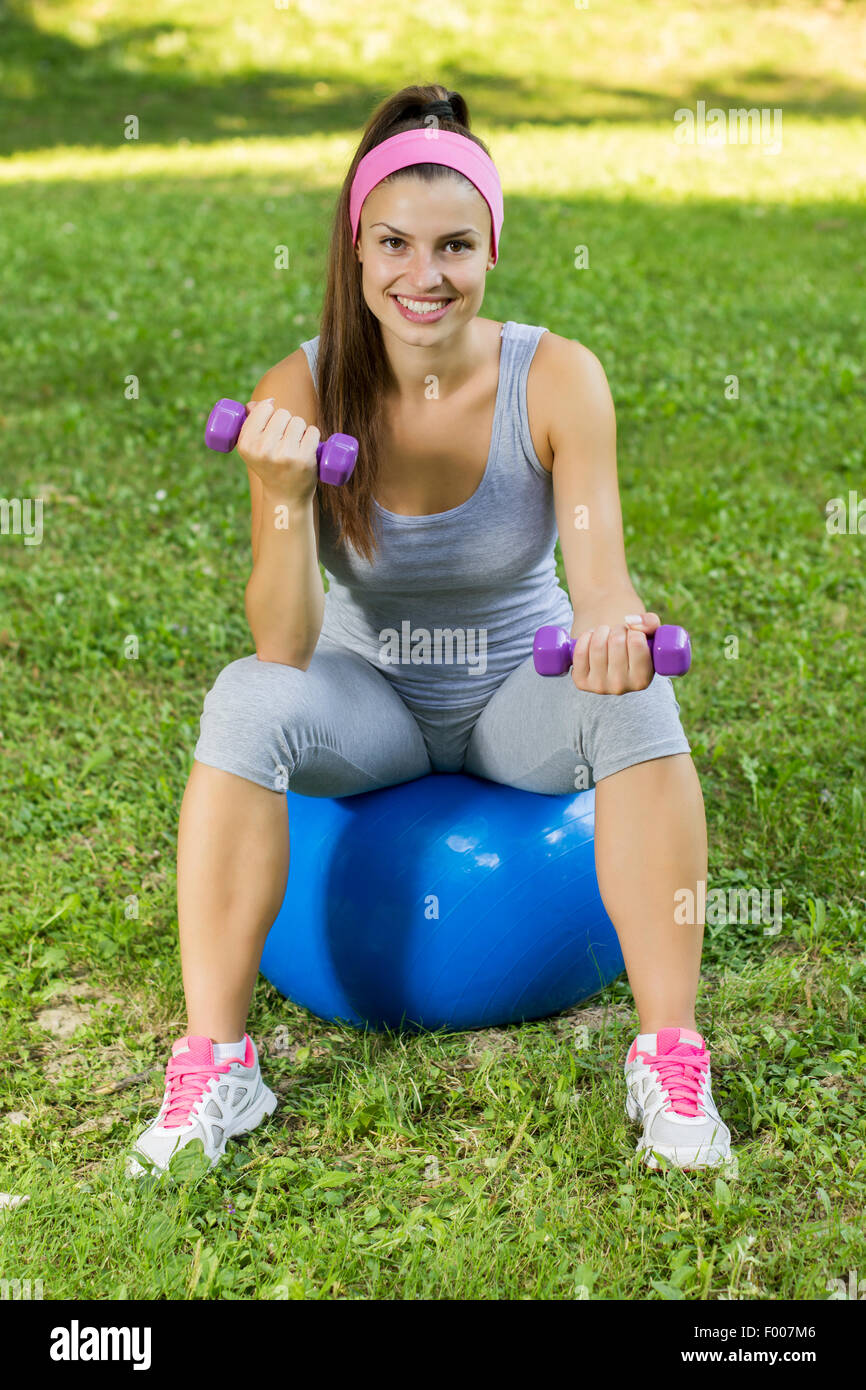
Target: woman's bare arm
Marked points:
284	597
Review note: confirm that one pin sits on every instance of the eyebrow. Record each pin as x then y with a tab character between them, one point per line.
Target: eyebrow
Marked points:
463	231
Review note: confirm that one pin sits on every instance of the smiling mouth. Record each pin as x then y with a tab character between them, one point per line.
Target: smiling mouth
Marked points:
423	304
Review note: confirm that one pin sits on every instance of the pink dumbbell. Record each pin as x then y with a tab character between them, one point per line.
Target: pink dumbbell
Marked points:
670	647
336	456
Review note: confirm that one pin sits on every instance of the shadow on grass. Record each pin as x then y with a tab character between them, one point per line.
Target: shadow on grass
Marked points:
55	91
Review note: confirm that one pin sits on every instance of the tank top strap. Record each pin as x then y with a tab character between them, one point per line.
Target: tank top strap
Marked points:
311	351
514	437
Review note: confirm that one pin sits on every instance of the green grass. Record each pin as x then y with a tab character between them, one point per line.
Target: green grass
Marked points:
496	1164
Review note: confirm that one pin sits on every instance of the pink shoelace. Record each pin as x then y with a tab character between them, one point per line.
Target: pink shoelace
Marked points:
681	1069
187	1076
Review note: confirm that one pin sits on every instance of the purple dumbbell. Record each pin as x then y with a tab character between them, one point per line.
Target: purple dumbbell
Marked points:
336	456
670	648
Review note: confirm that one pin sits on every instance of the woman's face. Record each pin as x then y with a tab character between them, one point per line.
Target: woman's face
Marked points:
427	242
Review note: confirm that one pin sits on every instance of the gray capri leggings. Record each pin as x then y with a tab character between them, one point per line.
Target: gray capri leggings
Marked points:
339	728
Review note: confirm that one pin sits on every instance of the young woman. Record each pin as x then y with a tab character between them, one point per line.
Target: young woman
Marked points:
478	441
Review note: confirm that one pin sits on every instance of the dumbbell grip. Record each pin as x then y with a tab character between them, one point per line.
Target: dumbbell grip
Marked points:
670	648
335	456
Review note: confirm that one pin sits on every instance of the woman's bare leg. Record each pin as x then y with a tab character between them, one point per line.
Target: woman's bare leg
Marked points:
232	869
650	843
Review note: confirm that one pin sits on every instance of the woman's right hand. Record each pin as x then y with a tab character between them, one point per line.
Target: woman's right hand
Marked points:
281	449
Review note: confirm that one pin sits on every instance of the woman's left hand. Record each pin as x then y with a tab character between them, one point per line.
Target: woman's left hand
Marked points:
613	660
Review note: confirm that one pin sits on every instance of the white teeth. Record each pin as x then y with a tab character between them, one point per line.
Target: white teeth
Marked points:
419	306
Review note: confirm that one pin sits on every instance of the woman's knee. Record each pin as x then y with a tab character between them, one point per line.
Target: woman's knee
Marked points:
251	716
249	690
613	730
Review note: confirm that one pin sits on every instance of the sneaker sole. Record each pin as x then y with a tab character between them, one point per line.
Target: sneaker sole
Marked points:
683	1158
679	1156
266	1105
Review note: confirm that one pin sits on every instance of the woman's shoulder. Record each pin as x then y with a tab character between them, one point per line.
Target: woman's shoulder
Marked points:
290	382
564	363
564	374
556	350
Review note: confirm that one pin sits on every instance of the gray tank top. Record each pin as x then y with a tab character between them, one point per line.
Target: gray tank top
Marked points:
450	604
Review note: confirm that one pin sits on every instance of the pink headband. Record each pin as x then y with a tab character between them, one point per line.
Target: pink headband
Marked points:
428	146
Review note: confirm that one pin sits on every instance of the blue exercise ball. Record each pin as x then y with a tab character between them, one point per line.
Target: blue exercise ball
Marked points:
447	902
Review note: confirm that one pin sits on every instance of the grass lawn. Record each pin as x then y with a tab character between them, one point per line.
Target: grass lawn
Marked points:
498	1164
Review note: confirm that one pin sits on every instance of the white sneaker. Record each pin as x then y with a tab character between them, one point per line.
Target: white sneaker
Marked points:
669	1094
203	1099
